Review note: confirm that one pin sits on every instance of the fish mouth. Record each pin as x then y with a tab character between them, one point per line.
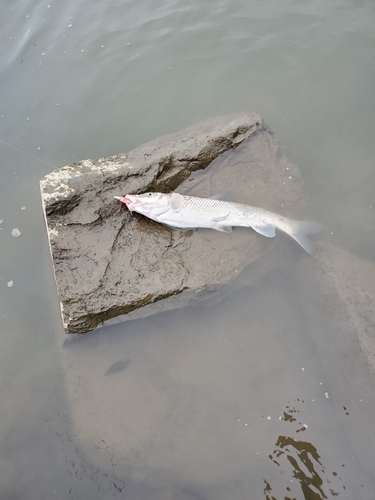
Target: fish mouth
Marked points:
126	200
129	200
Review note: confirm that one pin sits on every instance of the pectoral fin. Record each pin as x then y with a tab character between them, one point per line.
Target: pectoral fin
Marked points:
223	229
218	219
266	230
176	202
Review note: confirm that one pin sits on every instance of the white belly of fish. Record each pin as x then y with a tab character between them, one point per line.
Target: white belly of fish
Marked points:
185	220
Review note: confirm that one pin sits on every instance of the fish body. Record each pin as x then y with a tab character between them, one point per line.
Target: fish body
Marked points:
191	212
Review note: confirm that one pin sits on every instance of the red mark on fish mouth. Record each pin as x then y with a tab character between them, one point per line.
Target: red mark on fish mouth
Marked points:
129	200
125	199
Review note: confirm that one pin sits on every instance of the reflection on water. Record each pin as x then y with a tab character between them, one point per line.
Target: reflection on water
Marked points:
300	461
302	456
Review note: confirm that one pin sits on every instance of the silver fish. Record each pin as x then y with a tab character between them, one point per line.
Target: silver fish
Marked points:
190	212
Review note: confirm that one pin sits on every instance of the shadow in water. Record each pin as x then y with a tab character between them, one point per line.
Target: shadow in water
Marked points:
117	367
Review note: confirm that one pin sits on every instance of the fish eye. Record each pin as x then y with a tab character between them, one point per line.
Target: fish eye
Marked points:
149	194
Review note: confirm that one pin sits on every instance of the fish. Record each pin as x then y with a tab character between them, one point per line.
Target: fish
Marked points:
191	212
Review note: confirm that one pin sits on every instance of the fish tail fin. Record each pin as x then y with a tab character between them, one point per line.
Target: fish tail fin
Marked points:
300	230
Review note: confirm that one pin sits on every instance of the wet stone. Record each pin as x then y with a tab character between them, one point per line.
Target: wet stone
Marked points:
111	265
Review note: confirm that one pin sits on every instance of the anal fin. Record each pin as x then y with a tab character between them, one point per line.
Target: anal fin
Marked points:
266	230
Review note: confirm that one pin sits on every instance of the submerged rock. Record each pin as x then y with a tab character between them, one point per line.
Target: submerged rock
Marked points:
111	265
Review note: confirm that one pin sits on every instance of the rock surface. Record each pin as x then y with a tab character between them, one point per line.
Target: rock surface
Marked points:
110	265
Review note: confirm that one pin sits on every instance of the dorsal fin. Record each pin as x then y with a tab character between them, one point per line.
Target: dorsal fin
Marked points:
220	197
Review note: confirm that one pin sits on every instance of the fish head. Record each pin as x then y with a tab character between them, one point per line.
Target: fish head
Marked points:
149	204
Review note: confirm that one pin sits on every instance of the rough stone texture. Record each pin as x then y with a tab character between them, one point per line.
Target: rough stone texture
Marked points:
111	265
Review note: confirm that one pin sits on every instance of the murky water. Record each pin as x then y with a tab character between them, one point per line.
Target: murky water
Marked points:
263	395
